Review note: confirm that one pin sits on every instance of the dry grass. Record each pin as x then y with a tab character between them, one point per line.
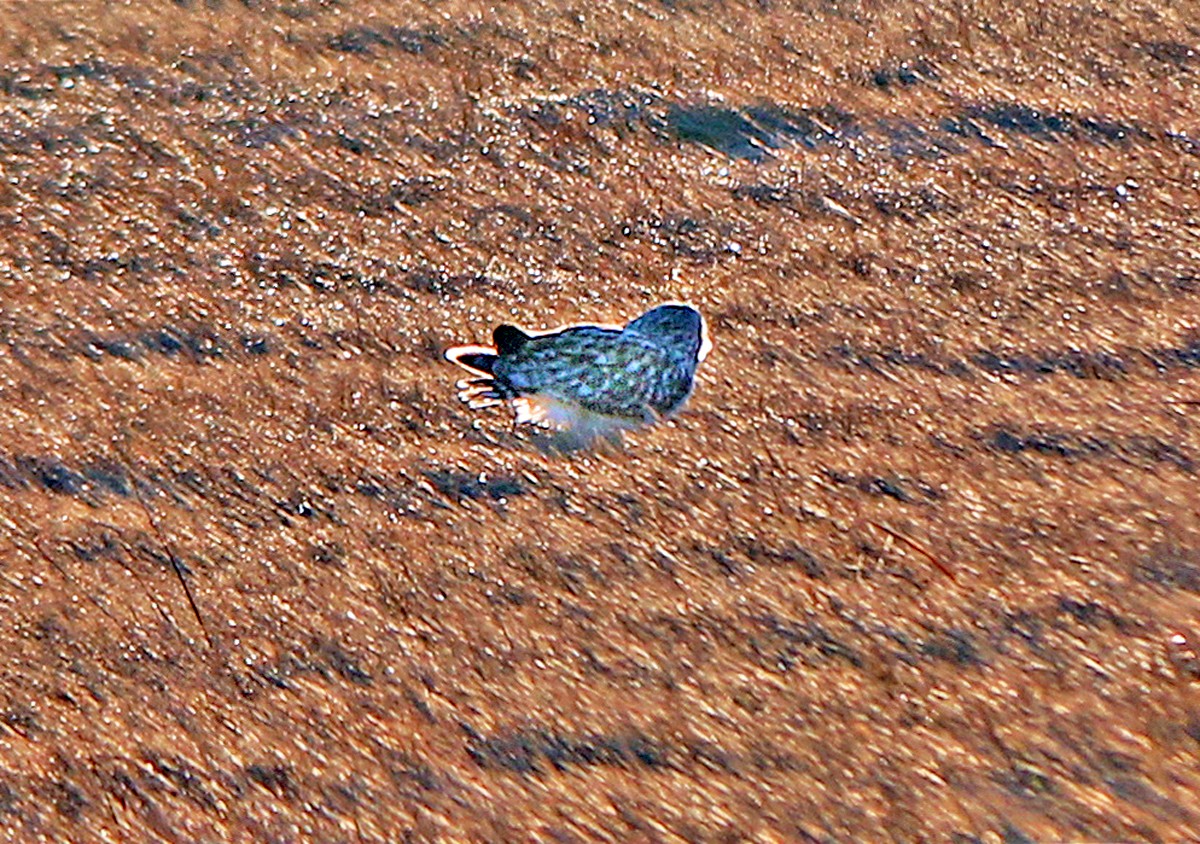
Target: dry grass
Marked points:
921	562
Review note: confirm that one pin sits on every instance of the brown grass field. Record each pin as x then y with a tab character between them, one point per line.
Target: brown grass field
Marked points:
920	562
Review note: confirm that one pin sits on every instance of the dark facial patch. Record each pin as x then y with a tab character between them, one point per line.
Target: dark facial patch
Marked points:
508	339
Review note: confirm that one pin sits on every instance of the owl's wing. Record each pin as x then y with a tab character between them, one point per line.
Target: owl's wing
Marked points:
600	369
672	389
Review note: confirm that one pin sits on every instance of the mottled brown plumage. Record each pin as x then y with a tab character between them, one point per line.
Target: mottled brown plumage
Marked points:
590	378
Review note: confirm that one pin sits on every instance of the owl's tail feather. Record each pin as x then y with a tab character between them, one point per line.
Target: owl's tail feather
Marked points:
478	362
482	392
489	389
479	359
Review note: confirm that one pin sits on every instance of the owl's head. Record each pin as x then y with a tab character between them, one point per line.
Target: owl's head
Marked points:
679	328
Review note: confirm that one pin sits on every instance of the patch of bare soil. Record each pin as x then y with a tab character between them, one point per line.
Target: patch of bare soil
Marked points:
920	563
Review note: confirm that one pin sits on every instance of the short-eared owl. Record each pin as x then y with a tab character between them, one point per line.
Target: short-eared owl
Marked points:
589	379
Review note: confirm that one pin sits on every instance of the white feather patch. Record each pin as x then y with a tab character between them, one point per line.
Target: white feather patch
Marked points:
546	410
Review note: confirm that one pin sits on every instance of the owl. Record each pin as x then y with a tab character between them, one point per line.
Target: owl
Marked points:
589	380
